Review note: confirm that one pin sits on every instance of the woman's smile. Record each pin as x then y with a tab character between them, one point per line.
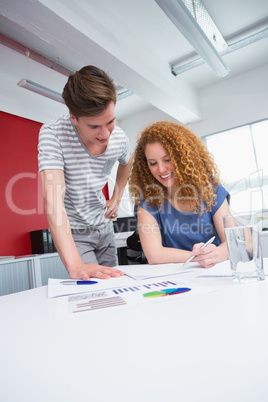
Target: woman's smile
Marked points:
159	163
166	177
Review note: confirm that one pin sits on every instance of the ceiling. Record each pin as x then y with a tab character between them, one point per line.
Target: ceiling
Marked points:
133	40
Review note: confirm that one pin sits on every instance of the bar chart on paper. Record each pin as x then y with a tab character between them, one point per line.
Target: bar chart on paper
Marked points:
97	304
155	289
143	288
121	296
94	301
133	294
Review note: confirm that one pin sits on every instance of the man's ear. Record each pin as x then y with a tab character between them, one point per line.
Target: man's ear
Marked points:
74	120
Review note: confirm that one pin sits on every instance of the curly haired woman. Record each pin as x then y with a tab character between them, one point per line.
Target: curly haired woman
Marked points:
179	201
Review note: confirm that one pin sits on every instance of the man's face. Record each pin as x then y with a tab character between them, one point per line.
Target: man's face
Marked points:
95	131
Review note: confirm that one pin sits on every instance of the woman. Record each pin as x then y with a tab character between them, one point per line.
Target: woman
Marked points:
179	201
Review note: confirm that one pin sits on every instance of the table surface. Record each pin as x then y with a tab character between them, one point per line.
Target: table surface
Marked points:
212	347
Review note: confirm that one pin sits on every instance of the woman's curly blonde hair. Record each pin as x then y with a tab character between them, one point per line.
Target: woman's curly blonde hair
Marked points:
194	169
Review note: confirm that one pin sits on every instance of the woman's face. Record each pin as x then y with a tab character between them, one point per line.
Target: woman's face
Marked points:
159	164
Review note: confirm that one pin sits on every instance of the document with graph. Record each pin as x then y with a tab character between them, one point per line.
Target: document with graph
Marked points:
135	292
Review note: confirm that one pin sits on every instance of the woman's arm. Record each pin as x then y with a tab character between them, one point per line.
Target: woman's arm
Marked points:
151	241
211	255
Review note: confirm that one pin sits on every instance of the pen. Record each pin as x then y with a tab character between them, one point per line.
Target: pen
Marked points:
78	282
204	245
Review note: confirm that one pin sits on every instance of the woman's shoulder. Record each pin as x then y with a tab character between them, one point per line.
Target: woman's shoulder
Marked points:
221	191
221	194
147	206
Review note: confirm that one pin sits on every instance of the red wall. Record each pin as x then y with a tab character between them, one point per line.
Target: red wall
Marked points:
21	200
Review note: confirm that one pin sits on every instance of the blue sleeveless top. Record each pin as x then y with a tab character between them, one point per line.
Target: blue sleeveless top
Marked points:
183	229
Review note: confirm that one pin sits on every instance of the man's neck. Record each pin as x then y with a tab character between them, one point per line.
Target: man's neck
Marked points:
95	150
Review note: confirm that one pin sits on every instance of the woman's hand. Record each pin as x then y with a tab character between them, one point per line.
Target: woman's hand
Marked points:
207	257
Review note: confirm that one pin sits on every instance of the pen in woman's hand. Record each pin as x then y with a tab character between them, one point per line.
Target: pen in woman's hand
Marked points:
204	245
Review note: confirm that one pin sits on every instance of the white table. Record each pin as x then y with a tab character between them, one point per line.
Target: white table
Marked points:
212	347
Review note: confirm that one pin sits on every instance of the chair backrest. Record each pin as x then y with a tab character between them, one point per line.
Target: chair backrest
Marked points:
125	224
136	252
133	241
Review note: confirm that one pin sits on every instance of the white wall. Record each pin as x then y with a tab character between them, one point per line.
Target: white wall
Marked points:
136	123
234	102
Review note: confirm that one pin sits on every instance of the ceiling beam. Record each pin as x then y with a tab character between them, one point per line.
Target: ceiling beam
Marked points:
176	98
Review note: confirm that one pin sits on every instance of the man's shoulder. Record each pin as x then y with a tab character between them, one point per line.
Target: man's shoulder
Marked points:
118	137
59	123
118	132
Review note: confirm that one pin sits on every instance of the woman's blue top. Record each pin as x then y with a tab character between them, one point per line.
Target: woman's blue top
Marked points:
183	229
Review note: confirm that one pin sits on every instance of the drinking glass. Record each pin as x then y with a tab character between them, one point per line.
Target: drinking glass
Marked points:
244	249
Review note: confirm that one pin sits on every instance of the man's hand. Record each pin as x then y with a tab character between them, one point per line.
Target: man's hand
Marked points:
122	175
112	206
86	272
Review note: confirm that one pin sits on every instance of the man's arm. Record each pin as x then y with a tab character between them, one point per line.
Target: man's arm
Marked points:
123	172
53	184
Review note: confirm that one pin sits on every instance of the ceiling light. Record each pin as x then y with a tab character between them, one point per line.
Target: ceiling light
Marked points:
122	93
185	20
39	89
49	93
235	42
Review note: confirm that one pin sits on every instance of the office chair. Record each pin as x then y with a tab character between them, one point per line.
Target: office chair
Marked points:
135	254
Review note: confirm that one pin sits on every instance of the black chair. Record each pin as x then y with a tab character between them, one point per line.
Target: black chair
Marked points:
135	254
125	224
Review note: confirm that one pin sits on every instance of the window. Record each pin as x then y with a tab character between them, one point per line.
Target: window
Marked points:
241	155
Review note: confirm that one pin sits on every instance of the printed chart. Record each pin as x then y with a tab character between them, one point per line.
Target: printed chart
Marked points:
143	287
166	292
121	296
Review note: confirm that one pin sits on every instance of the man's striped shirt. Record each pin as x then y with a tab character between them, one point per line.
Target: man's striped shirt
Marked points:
60	147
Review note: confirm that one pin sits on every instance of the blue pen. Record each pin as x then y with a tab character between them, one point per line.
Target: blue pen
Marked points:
78	282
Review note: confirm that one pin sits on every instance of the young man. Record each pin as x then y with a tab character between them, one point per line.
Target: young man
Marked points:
76	155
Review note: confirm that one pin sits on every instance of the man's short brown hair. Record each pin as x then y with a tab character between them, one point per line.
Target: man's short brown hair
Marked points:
88	92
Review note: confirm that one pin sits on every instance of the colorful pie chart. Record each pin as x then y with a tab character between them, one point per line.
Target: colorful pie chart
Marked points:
166	292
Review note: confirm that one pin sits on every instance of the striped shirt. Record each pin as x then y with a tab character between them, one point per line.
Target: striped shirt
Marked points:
60	147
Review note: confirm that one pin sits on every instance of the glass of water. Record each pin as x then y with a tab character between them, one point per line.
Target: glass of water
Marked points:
243	241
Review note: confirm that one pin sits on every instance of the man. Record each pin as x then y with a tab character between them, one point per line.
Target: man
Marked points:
76	155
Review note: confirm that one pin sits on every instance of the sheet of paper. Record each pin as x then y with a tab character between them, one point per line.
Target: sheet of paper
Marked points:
144	271
153	291
133	272
56	288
